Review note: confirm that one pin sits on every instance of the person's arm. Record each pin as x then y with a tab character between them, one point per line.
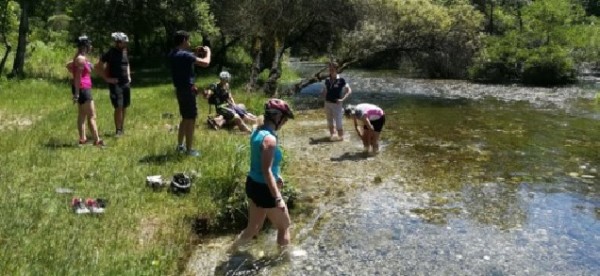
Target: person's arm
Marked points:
347	91
268	154
367	123
356	127
78	65
128	73
100	70
69	66
204	61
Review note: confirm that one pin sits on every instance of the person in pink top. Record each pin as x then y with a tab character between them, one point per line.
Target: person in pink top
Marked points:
373	119
81	69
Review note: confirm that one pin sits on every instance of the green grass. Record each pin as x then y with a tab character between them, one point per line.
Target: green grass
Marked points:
142	232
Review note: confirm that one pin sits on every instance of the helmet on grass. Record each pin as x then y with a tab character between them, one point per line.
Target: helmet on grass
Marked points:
181	183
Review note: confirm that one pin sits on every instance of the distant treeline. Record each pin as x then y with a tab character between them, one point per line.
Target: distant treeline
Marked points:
533	42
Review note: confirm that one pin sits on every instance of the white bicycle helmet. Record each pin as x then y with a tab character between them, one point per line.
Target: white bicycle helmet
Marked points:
119	36
225	75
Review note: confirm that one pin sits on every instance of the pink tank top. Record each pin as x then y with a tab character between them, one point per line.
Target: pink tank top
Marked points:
86	78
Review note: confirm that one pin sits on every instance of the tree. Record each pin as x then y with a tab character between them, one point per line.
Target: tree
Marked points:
554	37
7	24
19	61
270	28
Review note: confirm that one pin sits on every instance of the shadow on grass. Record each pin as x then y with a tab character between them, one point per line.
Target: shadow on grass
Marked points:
350	156
161	159
54	143
321	140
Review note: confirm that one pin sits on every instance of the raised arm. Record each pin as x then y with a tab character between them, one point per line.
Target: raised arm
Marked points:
203	61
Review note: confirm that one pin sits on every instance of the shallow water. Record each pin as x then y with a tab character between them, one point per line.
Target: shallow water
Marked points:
472	180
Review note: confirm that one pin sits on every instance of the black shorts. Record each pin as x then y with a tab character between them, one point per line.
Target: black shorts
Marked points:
187	103
377	124
85	95
120	95
259	193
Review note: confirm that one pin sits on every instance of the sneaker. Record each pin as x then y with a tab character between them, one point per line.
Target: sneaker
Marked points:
193	153
180	148
99	143
78	206
119	133
94	206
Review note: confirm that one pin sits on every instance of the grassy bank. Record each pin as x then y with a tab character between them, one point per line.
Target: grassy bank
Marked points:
143	231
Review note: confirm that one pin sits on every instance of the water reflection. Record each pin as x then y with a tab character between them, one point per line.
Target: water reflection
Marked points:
473	180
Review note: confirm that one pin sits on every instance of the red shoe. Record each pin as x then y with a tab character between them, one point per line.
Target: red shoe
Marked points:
94	206
78	206
82	141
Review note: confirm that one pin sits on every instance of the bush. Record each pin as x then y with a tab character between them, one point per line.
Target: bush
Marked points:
549	66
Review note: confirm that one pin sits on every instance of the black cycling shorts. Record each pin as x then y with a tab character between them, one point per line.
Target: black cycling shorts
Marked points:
259	193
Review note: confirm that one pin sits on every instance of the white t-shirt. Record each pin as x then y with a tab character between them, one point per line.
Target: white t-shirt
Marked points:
371	111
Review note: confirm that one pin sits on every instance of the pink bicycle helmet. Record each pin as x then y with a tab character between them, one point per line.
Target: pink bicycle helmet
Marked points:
278	106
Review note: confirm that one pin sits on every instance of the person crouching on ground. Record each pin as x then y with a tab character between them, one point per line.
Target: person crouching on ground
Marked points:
373	119
264	182
219	95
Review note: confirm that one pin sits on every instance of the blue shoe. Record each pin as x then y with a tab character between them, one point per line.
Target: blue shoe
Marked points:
193	153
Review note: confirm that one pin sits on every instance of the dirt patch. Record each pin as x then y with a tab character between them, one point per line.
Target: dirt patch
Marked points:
14	121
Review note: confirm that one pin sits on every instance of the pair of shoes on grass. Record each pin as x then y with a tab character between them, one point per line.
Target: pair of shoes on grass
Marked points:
90	205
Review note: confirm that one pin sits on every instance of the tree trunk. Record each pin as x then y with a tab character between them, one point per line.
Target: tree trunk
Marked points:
5	57
270	87
255	70
19	62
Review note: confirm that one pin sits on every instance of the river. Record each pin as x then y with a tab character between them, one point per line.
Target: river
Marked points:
472	180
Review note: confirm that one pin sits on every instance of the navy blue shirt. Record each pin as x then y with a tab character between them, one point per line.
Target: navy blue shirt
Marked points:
334	89
182	68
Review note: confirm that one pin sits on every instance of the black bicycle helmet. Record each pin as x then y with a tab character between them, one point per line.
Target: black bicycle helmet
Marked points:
181	183
83	41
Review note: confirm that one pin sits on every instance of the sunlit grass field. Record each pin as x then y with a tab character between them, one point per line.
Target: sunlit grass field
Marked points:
142	232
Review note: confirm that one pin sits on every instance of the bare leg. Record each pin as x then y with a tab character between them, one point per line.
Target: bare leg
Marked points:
366	139
256	218
240	124
119	117
375	141
281	220
340	132
189	126
90	110
181	132
81	114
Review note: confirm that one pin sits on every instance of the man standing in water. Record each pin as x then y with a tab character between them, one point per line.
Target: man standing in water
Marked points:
114	68
335	91
182	62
